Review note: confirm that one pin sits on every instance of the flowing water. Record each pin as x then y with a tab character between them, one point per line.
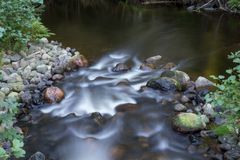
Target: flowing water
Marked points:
74	130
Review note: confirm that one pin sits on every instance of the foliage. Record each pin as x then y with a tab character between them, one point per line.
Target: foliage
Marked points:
234	4
19	24
227	96
11	140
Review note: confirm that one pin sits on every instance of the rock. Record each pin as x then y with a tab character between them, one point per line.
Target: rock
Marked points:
169	66
42	68
46	57
15	57
153	60
98	118
188	122
120	67
202	148
53	95
179	76
78	61
14	77
184	99
26	97
147	67
43	40
191	8
180	107
14	95
128	107
6	61
15	65
5	90
164	84
2	96
208	133
225	146
202	82
37	156
17	87
232	154
208	110
57	77
4	76
228	139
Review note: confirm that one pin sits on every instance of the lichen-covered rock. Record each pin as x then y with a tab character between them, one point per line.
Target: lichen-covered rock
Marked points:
188	122
53	95
164	84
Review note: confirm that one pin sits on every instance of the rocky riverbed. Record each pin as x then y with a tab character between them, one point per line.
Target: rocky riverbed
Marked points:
29	76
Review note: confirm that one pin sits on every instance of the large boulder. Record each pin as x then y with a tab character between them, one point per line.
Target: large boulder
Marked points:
53	95
164	84
189	122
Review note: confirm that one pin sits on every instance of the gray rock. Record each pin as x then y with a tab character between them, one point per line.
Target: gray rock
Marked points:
208	110
225	146
42	68
6	61
202	148
16	87
120	67
5	90
2	96
46	57
43	40
184	99
37	156
14	95
180	107
14	77
15	57
232	154
202	82
164	84
15	65
4	75
153	60
57	77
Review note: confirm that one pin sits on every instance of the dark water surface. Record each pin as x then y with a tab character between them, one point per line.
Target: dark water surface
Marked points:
201	41
109	34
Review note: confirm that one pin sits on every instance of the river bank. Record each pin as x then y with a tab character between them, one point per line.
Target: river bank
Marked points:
27	76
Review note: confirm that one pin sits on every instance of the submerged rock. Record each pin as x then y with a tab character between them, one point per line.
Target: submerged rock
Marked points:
188	122
37	156
128	107
120	67
164	84
169	66
53	95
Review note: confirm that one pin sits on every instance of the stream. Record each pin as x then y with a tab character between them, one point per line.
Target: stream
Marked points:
87	124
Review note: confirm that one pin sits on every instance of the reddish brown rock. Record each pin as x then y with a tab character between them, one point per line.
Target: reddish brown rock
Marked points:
78	62
53	95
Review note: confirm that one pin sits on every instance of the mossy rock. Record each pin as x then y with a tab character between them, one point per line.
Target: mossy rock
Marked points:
181	77
164	84
188	122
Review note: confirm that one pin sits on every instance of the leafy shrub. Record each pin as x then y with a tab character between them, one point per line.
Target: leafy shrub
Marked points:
11	141
234	4
227	96
19	24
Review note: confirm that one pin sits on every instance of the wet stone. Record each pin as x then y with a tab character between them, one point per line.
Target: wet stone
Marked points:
120	67
225	146
53	95
180	107
37	156
202	148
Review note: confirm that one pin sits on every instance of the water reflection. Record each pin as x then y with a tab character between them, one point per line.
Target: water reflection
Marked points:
202	39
